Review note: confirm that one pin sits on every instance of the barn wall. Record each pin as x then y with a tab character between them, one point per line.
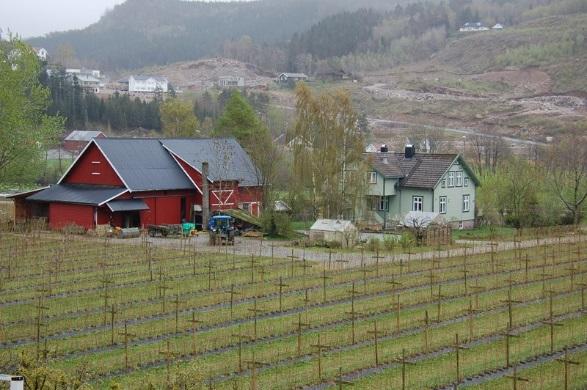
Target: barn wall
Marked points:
62	214
165	206
93	168
253	195
192	173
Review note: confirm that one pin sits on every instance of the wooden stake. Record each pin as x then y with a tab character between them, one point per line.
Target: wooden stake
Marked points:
341	382
232	293
567	362
377	258
281	285
353	313
194	323
293	258
439	297
375	334
253	364
319	348
458	347
426	325
515	378
177	302
404	362
255	312
112	313
507	336
299	328
324	279
168	356
551	322
127	336
510	302
241	337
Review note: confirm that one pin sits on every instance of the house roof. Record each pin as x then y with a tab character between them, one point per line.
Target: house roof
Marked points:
226	158
421	171
332	225
81	194
145	78
143	165
127	205
294	75
83	135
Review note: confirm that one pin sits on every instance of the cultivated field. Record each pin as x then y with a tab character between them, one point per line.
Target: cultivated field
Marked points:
97	312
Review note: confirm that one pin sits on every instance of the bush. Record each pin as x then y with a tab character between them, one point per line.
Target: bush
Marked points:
74	229
407	240
389	242
276	224
374	244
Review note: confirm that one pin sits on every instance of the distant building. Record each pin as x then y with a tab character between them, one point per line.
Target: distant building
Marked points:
88	79
473	27
41	53
148	84
291	78
89	83
231	82
497	27
77	140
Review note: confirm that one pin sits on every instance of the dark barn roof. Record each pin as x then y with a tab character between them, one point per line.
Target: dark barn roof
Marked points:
80	194
143	164
127	205
226	158
420	171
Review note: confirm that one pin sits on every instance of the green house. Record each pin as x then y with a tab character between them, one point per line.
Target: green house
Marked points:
402	182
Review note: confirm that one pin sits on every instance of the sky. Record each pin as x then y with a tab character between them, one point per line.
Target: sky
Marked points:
29	18
32	18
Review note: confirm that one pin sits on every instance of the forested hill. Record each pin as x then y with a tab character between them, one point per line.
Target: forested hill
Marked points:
138	33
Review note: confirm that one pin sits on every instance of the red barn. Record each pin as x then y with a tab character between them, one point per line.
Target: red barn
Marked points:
138	182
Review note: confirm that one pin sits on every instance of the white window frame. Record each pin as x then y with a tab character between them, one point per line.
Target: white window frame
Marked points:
443	183
459	181
442	204
372	177
466	203
466	181
417	200
451	179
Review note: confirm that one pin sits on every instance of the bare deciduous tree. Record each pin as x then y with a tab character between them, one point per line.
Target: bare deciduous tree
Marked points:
567	174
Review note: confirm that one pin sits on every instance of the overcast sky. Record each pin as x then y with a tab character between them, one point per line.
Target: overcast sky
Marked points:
31	18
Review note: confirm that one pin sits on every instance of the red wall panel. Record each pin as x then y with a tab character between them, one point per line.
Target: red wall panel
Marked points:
93	168
62	214
192	173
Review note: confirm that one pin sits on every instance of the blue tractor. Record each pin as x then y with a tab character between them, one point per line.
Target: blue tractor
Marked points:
221	230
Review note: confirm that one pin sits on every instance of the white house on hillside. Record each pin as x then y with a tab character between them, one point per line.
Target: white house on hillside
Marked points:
41	53
231	82
472	27
147	84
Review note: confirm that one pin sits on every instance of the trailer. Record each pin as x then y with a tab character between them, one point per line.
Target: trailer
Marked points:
164	230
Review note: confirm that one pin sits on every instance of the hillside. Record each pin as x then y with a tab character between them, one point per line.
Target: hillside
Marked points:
139	33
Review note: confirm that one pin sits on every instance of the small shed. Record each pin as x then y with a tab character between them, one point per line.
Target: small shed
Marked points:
337	230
